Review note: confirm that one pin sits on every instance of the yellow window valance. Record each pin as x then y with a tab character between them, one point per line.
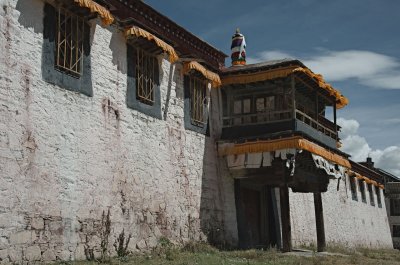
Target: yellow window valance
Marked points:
367	180
96	8
138	32
341	101
296	142
193	65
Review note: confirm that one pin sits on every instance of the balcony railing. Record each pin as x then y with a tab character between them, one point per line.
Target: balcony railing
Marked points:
322	125
257	118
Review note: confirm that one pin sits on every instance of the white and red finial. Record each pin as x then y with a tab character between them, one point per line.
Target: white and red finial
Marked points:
238	49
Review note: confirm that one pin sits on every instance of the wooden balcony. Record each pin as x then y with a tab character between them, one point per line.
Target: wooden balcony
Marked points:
267	123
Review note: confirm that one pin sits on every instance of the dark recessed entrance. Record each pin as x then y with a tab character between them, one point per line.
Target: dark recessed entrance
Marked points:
257	215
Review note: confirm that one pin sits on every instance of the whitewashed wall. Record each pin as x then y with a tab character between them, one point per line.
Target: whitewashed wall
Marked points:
66	159
347	222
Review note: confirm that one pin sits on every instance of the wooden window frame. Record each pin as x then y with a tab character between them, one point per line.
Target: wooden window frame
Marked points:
69	42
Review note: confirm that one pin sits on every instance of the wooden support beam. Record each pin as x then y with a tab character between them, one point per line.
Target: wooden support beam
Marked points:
335	119
285	216
319	220
293	87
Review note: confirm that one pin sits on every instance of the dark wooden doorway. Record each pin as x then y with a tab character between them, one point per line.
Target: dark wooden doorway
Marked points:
257	215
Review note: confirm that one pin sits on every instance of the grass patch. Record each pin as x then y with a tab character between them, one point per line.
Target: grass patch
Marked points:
204	254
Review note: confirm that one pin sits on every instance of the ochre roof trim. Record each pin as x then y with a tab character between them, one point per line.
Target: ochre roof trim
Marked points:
367	180
94	7
296	142
193	65
281	72
138	32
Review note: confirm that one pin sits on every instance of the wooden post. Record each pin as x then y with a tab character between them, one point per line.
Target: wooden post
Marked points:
334	119
316	106
293	87
319	220
285	216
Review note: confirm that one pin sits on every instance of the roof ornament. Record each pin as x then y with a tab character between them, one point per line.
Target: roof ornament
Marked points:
238	49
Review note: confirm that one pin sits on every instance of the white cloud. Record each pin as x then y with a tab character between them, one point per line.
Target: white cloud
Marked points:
268	56
368	68
357	146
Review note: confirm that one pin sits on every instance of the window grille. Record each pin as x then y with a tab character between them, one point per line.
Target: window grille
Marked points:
198	100
69	42
146	69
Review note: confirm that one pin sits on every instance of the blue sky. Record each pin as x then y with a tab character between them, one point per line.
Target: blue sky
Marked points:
354	44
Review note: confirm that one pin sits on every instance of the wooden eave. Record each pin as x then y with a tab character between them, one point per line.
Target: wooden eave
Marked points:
137	13
308	84
367	172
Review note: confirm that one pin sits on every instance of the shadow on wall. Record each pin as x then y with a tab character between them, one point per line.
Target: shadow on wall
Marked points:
212	221
118	48
30	14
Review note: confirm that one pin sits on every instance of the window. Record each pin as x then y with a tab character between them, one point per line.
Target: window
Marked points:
196	103
362	190
146	73
396	230
143	87
69	42
371	195
198	100
353	188
378	196
395	207
242	108
66	60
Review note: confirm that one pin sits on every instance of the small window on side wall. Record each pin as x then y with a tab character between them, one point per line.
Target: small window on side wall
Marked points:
353	188
66	49
143	88
196	103
362	190
371	195
378	196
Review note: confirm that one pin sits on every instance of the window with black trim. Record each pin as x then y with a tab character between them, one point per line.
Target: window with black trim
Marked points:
371	195
196	103
353	188
362	190
378	196
396	230
143	92
395	207
66	48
